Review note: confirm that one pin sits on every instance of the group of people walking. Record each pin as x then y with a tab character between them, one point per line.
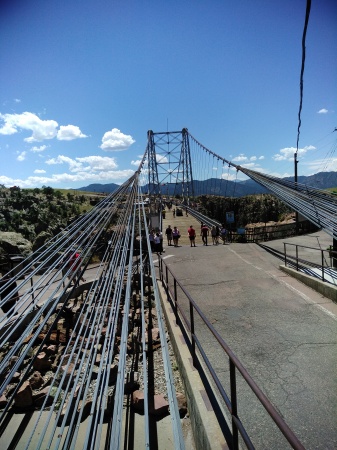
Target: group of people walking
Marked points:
173	235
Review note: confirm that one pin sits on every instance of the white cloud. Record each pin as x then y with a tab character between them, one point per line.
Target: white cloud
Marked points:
74	166
239	158
42	148
322	111
261	157
99	162
136	163
253	158
115	140
17	100
41	129
322	165
21	156
287	154
87	164
39	171
161	159
69	132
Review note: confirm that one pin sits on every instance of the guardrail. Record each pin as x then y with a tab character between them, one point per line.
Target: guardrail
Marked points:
189	325
304	258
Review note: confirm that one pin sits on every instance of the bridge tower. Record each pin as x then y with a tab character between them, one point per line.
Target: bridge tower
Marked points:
169	164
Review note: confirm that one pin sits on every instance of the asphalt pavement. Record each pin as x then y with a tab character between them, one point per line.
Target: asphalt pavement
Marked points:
283	332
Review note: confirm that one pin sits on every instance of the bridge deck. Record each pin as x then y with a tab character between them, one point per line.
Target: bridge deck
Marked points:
283	332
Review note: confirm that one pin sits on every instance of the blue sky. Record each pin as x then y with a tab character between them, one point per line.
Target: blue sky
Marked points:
82	81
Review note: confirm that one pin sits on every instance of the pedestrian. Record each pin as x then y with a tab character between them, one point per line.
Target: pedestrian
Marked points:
223	235
75	263
191	235
151	239
157	248
168	233
204	233
217	234
213	234
176	236
174	212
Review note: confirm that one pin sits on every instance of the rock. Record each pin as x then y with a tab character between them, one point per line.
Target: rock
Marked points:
42	362
138	401
50	349
69	369
45	395
16	377
3	401
14	243
56	337
12	361
159	407
36	380
130	386
182	404
24	396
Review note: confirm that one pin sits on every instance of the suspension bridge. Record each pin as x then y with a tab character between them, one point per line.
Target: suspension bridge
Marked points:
86	325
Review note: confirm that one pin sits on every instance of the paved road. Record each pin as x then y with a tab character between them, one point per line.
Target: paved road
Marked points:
283	332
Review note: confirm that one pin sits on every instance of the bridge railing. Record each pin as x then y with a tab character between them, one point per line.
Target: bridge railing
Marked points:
321	263
192	321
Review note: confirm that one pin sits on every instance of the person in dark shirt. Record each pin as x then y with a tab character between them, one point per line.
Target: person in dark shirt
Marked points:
169	236
204	233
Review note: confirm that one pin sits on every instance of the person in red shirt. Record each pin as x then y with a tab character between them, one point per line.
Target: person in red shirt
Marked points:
191	235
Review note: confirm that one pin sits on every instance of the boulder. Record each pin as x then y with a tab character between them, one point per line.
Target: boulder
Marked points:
15	244
138	401
44	396
42	362
160	406
182	404
36	380
24	396
3	401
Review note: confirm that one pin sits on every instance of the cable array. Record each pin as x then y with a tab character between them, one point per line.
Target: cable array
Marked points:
117	228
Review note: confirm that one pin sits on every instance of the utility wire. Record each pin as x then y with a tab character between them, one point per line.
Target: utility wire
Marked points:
302	70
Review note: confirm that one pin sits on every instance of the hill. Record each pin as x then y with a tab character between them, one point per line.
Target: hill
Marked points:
215	186
97	187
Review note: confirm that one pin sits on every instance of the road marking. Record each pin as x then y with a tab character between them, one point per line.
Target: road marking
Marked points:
164	257
301	294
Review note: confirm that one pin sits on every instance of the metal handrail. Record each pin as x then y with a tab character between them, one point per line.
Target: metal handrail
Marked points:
301	263
235	364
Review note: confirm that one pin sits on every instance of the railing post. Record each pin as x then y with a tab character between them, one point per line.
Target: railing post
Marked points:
175	299
322	257
285	253
192	334
297	258
234	404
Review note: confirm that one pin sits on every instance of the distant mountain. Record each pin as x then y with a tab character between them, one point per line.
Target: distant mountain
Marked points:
96	187
214	186
321	180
